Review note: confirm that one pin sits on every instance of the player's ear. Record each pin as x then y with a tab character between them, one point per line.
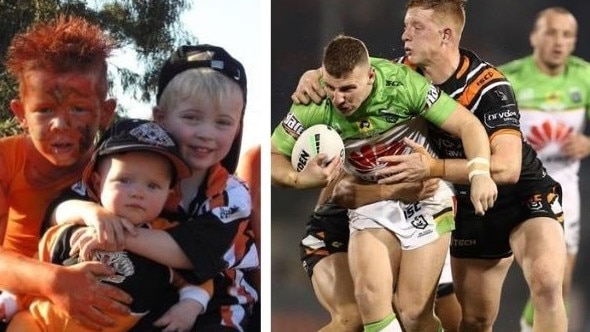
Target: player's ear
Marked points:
107	113
533	39
17	108
157	114
95	183
446	34
371	76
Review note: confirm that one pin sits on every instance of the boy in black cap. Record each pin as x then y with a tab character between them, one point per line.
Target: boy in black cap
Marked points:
131	174
201	102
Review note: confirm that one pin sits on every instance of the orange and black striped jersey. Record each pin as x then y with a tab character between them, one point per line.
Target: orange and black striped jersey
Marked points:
216	236
485	91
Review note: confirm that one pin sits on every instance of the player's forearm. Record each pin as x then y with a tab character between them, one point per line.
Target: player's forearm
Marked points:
456	171
24	275
365	194
282	173
477	148
360	194
475	140
476	145
158	246
506	161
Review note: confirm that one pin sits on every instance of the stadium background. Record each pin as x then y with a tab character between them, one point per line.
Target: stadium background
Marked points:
496	30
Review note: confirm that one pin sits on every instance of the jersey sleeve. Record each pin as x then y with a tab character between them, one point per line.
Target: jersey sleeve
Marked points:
220	238
422	97
499	111
54	246
441	106
299	118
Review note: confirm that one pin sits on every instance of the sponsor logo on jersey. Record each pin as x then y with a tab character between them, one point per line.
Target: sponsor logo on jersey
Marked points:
366	128
552	97
576	96
79	188
446	144
389	115
535	203
418	220
227	211
364	160
501	95
546	133
364	124
119	262
292	125
486	76
412	209
463	242
432	95
508	117
392	83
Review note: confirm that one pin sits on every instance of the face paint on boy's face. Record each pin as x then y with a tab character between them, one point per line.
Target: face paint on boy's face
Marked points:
61	112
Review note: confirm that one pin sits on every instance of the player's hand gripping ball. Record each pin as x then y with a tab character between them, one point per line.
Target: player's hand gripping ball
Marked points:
315	140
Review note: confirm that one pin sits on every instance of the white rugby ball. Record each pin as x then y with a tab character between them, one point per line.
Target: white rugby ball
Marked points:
315	140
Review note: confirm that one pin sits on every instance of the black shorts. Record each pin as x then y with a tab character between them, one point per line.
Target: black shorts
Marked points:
445	289
488	236
326	233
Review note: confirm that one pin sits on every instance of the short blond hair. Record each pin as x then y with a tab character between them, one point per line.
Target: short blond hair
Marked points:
453	9
203	82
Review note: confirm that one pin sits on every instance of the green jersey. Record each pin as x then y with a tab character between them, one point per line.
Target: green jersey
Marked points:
551	107
396	108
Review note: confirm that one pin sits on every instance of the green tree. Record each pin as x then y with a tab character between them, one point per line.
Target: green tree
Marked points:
149	28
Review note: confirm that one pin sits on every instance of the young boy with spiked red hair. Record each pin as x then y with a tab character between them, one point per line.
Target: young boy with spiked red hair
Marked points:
61	70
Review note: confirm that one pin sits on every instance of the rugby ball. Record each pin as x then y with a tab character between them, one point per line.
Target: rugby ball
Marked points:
314	140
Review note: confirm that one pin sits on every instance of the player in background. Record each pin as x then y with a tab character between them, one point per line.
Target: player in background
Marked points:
552	88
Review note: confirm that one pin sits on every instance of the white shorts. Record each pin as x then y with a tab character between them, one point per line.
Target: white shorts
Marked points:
415	224
446	276
570	188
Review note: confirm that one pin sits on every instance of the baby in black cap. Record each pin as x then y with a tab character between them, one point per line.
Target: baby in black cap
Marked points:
132	173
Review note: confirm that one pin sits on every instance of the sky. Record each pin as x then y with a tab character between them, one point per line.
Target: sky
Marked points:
241	27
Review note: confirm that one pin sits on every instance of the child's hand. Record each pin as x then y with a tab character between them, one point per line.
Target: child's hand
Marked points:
84	242
181	317
110	227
